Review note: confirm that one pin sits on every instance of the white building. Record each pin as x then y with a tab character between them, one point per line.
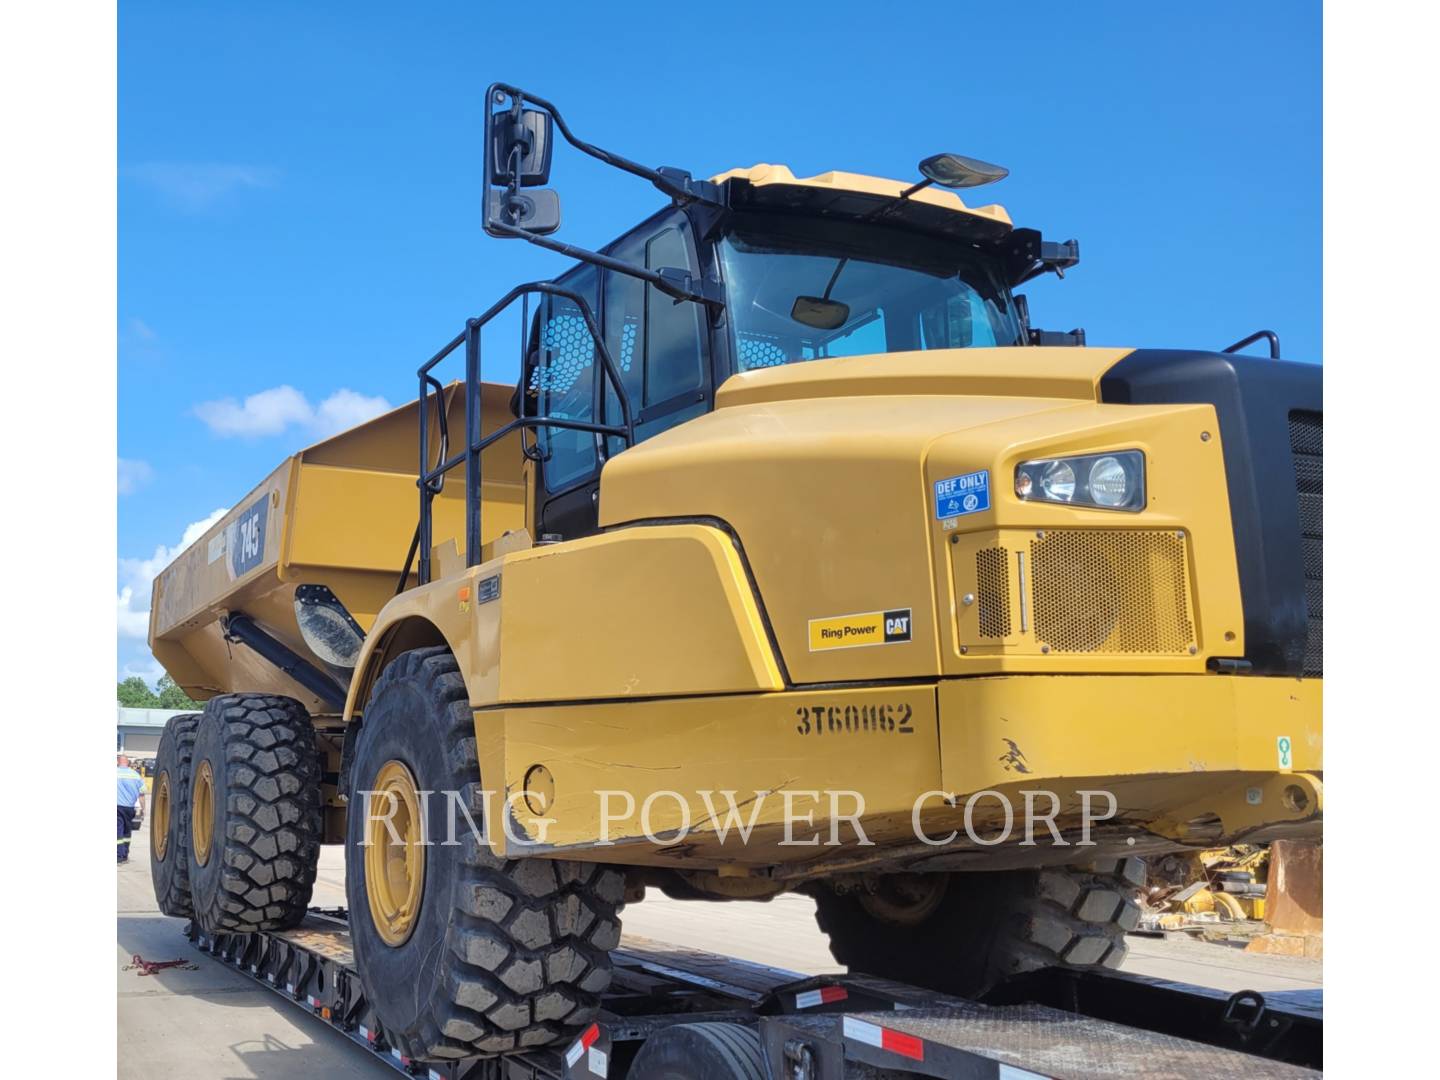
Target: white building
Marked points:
138	730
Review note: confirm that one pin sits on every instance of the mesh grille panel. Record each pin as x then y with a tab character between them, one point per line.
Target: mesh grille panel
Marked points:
569	353
1307	440
992	591
760	351
1111	591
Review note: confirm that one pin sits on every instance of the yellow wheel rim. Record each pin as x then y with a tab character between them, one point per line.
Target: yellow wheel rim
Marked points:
160	816
202	813
394	854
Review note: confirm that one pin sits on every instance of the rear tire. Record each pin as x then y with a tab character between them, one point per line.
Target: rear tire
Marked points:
252	856
701	1052
169	814
485	955
985	927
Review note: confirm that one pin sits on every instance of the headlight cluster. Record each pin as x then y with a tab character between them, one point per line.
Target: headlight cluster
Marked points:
1113	481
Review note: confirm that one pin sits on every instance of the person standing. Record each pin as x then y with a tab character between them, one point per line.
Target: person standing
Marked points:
129	789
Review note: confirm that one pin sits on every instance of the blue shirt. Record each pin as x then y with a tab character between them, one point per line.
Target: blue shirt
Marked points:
128	786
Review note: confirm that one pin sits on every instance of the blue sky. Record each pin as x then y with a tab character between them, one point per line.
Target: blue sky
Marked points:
299	185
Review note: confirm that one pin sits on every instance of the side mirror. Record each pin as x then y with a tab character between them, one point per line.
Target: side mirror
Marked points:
534	211
520	147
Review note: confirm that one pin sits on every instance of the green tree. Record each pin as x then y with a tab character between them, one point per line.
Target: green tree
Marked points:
171	696
134	694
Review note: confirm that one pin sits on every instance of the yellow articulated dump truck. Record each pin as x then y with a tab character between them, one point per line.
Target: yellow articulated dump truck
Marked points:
795	559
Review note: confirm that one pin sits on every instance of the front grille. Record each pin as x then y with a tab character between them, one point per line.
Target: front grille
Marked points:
1112	591
992	580
1307	448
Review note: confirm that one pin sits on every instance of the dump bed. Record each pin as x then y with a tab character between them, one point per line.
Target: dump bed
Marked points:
338	516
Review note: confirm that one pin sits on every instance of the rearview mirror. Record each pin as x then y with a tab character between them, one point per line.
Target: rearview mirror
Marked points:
820	313
520	146
534	211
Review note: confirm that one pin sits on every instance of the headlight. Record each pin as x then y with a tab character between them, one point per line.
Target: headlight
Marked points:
1113	481
1057	482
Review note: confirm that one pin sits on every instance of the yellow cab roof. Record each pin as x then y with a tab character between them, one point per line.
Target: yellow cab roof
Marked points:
832	186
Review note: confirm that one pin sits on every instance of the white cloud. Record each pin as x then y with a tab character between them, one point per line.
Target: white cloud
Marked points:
194	186
267	413
130	623
345	408
132	600
133	475
140	330
273	411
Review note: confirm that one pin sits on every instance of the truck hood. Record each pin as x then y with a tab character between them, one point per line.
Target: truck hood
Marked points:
1031	372
820	471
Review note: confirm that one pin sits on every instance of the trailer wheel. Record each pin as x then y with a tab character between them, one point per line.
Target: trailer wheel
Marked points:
962	933
255	821
701	1052
169	816
460	952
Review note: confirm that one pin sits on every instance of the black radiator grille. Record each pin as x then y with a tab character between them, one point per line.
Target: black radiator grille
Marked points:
1306	445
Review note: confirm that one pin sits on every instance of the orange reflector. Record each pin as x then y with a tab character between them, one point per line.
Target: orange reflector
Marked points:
464	592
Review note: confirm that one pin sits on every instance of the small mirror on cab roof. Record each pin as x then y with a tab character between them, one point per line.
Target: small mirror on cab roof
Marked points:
820	313
958	171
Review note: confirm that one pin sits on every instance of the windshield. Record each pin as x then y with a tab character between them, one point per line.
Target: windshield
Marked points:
806	290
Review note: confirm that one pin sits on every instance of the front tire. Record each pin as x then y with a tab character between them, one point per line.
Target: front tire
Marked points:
460	952
962	933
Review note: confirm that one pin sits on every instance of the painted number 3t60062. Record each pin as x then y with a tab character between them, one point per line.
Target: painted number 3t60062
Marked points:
890	718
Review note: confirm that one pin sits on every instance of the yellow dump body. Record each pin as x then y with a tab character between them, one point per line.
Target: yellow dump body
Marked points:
342	514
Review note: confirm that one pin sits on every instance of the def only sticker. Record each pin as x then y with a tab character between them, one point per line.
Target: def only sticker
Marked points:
968	493
861	629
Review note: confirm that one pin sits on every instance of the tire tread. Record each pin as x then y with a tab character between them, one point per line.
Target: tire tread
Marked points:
274	822
171	877
527	949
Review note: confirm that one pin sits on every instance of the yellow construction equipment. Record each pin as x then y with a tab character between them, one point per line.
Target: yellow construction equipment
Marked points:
796	559
1197	889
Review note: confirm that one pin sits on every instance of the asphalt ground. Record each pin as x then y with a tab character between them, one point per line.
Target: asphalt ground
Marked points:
213	1022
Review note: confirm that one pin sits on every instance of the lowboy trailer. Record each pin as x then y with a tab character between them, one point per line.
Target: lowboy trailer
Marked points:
673	1013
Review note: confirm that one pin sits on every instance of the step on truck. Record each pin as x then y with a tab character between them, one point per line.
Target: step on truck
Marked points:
795	559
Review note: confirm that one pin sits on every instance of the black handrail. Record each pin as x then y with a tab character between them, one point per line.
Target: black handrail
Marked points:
1269	335
442	411
431	479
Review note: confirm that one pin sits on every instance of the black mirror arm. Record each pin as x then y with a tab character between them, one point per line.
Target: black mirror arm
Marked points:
677	183
676	284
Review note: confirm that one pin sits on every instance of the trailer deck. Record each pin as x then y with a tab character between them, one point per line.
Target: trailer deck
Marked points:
1055	1024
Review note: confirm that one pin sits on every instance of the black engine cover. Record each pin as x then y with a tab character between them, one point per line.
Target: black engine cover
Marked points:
1256	401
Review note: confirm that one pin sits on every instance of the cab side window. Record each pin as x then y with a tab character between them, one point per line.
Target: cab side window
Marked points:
659	351
561	382
658	345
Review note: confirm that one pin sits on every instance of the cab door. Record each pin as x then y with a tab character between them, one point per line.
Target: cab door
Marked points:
658	346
